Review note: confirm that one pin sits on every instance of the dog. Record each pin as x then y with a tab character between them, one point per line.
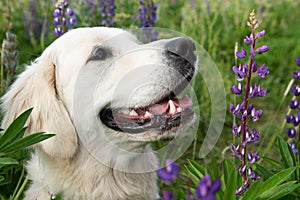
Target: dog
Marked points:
106	96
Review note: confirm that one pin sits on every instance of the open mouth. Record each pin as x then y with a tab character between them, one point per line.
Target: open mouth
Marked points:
161	116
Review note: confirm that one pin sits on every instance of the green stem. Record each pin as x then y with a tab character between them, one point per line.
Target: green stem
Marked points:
20	191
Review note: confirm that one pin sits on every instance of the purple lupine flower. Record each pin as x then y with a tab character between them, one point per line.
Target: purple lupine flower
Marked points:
240	71
147	19
256	114
248	40
297	61
246	112
241	54
170	172
253	157
296	90
294	148
263	71
206	189
107	8
260	34
236	89
64	18
294	104
256	91
236	130
291	132
167	195
262	49
296	74
252	137
294	119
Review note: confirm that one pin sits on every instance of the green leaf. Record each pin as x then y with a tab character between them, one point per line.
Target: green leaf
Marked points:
285	191
280	190
13	131
277	179
8	161
227	166
27	141
194	177
253	191
197	167
1	178
286	153
230	180
264	171
275	163
215	169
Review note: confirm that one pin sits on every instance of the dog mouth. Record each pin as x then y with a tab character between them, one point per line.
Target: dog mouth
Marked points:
161	116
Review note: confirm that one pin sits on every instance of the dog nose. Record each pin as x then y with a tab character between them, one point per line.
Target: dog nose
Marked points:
182	48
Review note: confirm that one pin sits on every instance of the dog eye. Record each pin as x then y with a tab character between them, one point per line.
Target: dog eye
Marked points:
100	53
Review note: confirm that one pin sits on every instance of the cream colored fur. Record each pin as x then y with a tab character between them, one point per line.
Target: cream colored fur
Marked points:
63	164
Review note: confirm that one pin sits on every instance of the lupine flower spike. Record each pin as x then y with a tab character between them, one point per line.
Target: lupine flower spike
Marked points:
107	12
245	112
207	189
294	119
64	18
148	18
168	174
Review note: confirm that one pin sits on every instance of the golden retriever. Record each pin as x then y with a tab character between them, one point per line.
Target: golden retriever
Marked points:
106	96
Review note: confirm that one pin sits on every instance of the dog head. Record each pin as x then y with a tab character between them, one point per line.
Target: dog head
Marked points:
102	82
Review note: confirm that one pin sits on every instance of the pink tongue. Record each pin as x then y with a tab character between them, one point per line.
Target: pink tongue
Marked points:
162	107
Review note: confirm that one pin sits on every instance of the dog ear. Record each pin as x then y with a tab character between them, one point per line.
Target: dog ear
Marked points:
35	88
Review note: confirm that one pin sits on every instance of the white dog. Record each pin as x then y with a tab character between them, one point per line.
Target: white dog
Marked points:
106	96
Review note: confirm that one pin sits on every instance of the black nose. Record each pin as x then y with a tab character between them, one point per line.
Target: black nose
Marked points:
182	48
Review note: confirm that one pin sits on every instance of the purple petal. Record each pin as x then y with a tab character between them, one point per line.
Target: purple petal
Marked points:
241	54
236	89
291	132
298	61
296	90
260	34
215	187
262	49
248	40
296	74
168	195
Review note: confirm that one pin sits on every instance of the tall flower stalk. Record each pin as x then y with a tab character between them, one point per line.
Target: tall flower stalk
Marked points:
148	15
107	8
245	112
9	54
294	104
64	18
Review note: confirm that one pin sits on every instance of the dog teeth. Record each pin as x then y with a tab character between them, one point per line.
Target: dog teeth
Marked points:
172	109
133	113
125	111
179	109
148	114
